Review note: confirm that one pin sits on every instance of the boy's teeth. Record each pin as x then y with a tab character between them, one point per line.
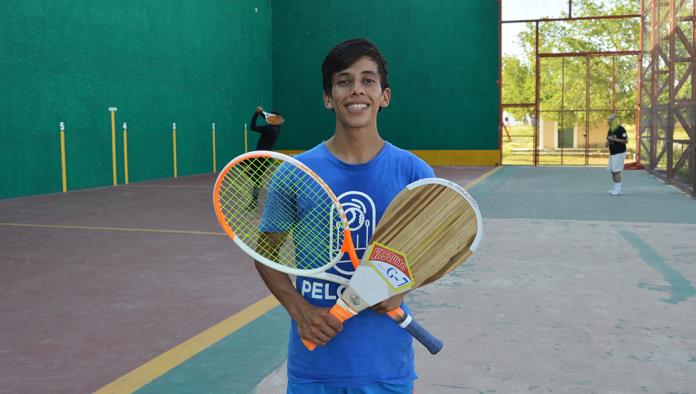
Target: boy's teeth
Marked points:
357	106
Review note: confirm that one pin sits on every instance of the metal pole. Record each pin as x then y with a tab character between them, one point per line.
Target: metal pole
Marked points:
113	142
537	97
174	148
125	152
214	158
62	157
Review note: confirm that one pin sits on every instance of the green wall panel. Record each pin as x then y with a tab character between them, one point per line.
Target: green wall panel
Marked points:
158	61
443	65
193	63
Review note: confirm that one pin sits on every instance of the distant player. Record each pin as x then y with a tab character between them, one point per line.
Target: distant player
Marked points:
269	132
269	135
616	141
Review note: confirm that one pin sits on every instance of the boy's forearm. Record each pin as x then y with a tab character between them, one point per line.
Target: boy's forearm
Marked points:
282	288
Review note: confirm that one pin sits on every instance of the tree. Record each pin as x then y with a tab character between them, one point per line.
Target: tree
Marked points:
562	80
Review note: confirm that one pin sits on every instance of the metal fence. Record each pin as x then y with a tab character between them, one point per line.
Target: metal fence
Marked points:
667	91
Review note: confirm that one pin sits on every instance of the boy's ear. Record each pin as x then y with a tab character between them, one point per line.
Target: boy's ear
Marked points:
328	102
386	96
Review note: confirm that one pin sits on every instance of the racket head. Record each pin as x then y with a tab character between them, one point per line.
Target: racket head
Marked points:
280	213
430	228
273	119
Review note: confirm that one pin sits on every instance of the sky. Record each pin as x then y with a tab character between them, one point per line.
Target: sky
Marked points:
525	9
536	9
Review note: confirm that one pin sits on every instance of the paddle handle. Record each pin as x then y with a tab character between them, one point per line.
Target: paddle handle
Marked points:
422	335
341	312
403	319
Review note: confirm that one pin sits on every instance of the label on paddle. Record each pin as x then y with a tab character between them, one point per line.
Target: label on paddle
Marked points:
391	265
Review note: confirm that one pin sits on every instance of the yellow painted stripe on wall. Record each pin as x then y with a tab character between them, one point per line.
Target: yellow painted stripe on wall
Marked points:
483	158
472	158
291	152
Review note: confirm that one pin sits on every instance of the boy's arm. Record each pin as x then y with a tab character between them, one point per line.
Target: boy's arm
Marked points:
313	323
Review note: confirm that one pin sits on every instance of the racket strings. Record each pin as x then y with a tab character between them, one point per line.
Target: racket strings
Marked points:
281	212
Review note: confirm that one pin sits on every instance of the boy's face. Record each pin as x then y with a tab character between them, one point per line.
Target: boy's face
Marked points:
357	95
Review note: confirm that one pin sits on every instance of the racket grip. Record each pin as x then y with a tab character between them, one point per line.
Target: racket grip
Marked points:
422	335
309	344
406	321
341	312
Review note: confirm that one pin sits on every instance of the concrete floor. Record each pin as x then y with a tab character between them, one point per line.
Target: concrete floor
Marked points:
571	291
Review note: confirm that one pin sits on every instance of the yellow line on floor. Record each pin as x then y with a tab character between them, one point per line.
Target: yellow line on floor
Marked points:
166	361
482	177
139	230
168	186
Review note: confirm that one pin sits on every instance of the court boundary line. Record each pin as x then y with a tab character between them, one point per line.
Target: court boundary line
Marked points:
165	362
482	177
127	229
163	186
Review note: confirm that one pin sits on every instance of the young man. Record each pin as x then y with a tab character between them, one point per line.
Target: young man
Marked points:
370	354
616	141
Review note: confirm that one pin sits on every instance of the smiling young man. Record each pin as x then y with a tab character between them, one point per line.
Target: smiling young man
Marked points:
372	354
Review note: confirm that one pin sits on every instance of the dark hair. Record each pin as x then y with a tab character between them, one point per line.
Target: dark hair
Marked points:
348	52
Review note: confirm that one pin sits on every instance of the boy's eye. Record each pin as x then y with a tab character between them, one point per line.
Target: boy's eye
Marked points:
342	82
369	81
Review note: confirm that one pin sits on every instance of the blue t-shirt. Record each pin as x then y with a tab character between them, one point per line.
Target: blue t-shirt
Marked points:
371	348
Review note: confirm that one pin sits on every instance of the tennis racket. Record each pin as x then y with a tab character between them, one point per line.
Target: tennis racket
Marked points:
273	119
284	216
429	229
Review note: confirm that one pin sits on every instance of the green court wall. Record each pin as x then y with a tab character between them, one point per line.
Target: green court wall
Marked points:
195	63
157	61
442	59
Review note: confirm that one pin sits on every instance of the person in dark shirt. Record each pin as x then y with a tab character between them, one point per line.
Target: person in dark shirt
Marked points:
269	134
616	141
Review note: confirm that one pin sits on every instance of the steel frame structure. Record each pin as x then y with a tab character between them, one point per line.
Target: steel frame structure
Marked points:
536	105
667	91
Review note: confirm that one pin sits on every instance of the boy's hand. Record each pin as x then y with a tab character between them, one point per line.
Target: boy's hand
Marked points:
317	325
389	304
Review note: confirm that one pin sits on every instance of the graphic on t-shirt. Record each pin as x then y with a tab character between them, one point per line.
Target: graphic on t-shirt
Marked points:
360	213
361	216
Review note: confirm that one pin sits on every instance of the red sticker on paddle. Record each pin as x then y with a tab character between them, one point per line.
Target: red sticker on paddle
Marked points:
391	265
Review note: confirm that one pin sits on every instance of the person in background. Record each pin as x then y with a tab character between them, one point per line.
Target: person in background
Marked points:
269	132
269	135
616	141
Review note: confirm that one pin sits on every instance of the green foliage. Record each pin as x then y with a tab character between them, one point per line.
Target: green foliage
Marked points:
563	80
518	86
